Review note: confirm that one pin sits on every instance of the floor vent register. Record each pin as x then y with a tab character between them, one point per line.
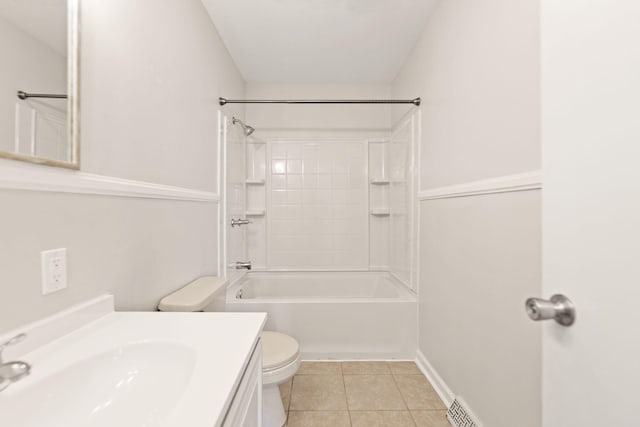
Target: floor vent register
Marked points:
460	416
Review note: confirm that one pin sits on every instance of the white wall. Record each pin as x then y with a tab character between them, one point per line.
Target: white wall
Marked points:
476	69
151	75
314	119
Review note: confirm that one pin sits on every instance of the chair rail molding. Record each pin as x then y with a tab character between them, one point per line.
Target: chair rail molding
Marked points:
66	181
503	184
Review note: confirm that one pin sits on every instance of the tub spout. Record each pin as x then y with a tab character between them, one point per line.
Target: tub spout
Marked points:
243	264
11	372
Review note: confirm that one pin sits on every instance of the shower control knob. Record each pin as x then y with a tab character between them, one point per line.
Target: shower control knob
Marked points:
243	265
239	222
559	308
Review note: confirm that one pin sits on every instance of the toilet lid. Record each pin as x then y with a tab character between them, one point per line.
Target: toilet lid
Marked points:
277	350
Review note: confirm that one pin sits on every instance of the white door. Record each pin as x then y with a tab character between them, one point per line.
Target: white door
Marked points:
591	210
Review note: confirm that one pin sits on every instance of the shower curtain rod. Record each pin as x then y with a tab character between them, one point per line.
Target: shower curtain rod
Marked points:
24	95
415	101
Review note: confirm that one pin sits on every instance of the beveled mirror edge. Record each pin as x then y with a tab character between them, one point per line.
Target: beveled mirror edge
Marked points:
73	101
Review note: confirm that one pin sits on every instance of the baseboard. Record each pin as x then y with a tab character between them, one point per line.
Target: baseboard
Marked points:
443	390
314	356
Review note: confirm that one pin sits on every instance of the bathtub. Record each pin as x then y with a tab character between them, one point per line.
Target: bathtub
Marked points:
333	315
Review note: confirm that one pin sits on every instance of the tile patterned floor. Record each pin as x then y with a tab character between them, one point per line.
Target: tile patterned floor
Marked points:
361	394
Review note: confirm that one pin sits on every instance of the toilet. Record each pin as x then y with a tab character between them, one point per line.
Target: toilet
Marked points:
280	352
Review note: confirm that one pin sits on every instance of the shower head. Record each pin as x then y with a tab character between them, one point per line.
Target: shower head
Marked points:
248	130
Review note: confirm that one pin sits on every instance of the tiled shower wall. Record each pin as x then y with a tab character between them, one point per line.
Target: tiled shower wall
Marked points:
317	204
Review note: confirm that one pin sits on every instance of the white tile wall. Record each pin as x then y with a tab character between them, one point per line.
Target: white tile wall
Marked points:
317	205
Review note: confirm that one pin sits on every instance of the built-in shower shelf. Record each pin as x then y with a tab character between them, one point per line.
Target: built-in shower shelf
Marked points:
254	213
254	181
380	212
379	181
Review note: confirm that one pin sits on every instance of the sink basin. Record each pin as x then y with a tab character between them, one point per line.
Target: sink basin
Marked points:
140	382
94	367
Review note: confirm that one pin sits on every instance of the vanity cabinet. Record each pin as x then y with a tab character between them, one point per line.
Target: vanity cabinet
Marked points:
245	409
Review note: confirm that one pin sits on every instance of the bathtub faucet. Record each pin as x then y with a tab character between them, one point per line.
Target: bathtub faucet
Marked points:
11	372
243	264
239	222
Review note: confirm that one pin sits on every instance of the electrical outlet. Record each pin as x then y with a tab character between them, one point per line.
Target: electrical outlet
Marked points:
54	270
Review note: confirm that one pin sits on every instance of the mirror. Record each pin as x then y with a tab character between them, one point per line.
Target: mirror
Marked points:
39	81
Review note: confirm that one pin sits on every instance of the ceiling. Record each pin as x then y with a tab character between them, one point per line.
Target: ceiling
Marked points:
319	41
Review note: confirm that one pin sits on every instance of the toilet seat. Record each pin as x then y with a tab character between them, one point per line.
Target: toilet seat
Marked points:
277	350
280	357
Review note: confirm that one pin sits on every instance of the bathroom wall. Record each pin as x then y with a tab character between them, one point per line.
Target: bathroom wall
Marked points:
296	120
476	69
151	76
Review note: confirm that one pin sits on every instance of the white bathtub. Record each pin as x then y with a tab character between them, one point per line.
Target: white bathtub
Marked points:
333	315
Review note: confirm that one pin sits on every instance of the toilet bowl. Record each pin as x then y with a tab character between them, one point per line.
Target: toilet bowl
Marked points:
280	361
280	352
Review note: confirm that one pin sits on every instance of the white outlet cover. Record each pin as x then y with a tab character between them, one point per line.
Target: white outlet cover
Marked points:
54	270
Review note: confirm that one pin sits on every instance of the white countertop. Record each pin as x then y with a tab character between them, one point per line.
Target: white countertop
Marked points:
222	344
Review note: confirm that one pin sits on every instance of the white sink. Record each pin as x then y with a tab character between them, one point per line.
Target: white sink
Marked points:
140	382
93	367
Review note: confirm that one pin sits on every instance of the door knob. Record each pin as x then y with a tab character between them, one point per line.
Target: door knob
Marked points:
559	307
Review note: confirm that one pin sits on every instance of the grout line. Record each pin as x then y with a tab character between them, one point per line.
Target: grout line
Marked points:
290	396
346	397
401	395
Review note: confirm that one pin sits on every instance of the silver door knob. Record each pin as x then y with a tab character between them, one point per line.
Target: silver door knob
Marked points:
559	307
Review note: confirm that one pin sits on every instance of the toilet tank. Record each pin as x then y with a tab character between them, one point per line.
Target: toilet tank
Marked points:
206	293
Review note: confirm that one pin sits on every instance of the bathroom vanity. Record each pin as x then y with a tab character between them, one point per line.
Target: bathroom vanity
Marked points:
93	366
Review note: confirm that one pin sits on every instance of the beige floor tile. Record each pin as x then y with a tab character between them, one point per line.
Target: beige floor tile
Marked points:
372	392
367	368
430	418
318	419
404	368
318	393
320	368
381	419
285	393
418	393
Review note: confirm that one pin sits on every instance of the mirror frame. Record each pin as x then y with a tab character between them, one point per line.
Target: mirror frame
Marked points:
73	102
